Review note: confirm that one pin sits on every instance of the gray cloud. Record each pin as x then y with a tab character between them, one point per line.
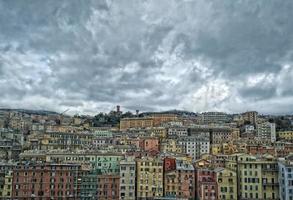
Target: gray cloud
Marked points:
197	55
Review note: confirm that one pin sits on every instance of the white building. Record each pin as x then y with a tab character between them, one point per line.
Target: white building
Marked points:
286	178
195	146
248	128
267	130
178	131
214	117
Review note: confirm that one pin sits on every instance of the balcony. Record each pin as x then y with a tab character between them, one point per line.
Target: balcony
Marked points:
270	184
274	169
270	169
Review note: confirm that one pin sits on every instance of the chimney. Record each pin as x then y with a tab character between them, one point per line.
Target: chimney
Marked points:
137	112
118	108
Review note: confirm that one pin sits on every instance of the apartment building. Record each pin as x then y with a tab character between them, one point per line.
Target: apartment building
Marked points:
127	178
149	178
257	176
267	131
45	181
135	123
180	181
227	183
285	136
195	146
206	184
285	180
108	187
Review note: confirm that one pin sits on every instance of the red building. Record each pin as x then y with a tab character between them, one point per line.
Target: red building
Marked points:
169	164
259	149
108	187
206	184
45	181
179	182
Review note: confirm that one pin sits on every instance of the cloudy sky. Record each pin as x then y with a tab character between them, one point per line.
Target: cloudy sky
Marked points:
196	55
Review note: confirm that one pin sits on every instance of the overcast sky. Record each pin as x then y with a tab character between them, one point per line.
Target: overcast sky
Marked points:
201	55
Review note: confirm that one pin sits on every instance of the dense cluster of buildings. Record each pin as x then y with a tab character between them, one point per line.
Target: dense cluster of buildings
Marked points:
206	156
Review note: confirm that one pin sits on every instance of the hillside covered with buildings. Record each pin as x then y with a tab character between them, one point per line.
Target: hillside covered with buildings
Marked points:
152	155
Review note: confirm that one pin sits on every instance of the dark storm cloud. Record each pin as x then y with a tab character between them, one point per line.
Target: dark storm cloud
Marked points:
154	55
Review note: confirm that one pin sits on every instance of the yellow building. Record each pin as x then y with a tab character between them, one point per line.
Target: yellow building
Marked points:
229	148
60	140
128	123
159	132
6	186
227	183
154	120
216	149
170	145
285	136
235	133
149	177
225	148
258	176
64	128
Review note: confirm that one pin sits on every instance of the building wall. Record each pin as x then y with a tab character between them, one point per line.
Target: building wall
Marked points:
127	178
178	131
214	117
258	177
259	149
285	136
149	144
108	164
219	136
108	187
286	179
227	184
61	140
250	117
128	123
149	178
195	146
88	185
170	145
45	181
216	149
5	185
159	132
158	118
267	131
206	184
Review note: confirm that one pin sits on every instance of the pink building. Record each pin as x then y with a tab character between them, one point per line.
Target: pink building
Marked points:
108	187
149	144
206	184
45	181
179	179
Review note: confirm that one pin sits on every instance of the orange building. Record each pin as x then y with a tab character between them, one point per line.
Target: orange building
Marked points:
128	123
260	149
153	120
159	118
149	144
